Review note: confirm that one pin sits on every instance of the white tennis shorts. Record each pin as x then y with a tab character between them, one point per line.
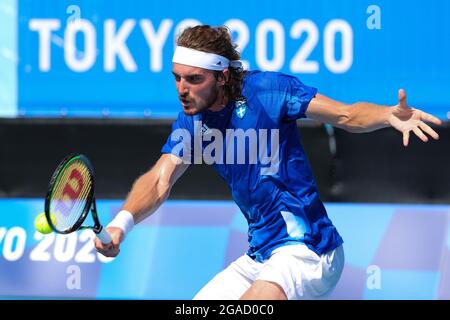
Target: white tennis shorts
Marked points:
298	270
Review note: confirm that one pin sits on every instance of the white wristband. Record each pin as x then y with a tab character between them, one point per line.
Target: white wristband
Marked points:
123	220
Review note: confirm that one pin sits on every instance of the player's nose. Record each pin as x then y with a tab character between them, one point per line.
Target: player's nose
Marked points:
182	88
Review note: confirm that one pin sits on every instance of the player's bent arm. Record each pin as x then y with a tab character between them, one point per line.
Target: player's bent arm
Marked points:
148	192
358	117
151	189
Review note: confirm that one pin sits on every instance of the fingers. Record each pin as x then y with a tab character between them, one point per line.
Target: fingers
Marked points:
402	98
108	250
429	118
111	249
420	134
426	128
405	138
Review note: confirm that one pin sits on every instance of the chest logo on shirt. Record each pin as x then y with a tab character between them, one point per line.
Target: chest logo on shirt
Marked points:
241	107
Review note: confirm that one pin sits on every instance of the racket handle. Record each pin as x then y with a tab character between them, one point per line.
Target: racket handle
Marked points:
104	236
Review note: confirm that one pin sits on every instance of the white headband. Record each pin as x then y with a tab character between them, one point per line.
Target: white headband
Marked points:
205	60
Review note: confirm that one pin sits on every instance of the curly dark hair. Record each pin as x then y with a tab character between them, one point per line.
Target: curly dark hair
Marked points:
216	40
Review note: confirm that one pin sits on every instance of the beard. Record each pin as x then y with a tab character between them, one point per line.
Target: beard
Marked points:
192	107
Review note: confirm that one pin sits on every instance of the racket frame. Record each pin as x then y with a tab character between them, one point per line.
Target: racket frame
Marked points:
90	200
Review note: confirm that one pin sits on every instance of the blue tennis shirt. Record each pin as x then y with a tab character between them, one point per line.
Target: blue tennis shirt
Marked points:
254	144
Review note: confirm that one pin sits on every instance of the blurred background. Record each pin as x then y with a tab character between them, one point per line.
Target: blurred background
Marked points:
93	77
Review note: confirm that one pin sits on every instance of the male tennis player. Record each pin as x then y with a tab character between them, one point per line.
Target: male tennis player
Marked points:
294	252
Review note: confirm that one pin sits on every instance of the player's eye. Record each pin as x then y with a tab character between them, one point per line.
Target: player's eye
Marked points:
195	79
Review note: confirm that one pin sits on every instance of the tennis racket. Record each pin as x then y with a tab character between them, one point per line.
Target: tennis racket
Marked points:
70	198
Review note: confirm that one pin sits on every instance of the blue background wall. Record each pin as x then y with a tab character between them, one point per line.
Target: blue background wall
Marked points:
392	252
411	49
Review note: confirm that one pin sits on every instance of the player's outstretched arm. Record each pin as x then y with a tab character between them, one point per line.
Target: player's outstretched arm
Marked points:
149	191
366	117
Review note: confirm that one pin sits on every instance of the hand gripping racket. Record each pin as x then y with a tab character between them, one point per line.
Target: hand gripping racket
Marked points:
70	197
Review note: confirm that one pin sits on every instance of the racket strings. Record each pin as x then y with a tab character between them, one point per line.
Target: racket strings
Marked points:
80	204
70	194
70	207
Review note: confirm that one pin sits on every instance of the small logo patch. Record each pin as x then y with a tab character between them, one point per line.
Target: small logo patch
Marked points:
241	107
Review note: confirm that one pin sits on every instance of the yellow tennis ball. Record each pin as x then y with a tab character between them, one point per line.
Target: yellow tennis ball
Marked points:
41	223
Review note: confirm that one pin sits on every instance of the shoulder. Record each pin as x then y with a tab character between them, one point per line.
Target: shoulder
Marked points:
268	80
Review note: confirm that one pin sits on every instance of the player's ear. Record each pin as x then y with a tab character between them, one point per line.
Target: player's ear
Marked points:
226	74
223	76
